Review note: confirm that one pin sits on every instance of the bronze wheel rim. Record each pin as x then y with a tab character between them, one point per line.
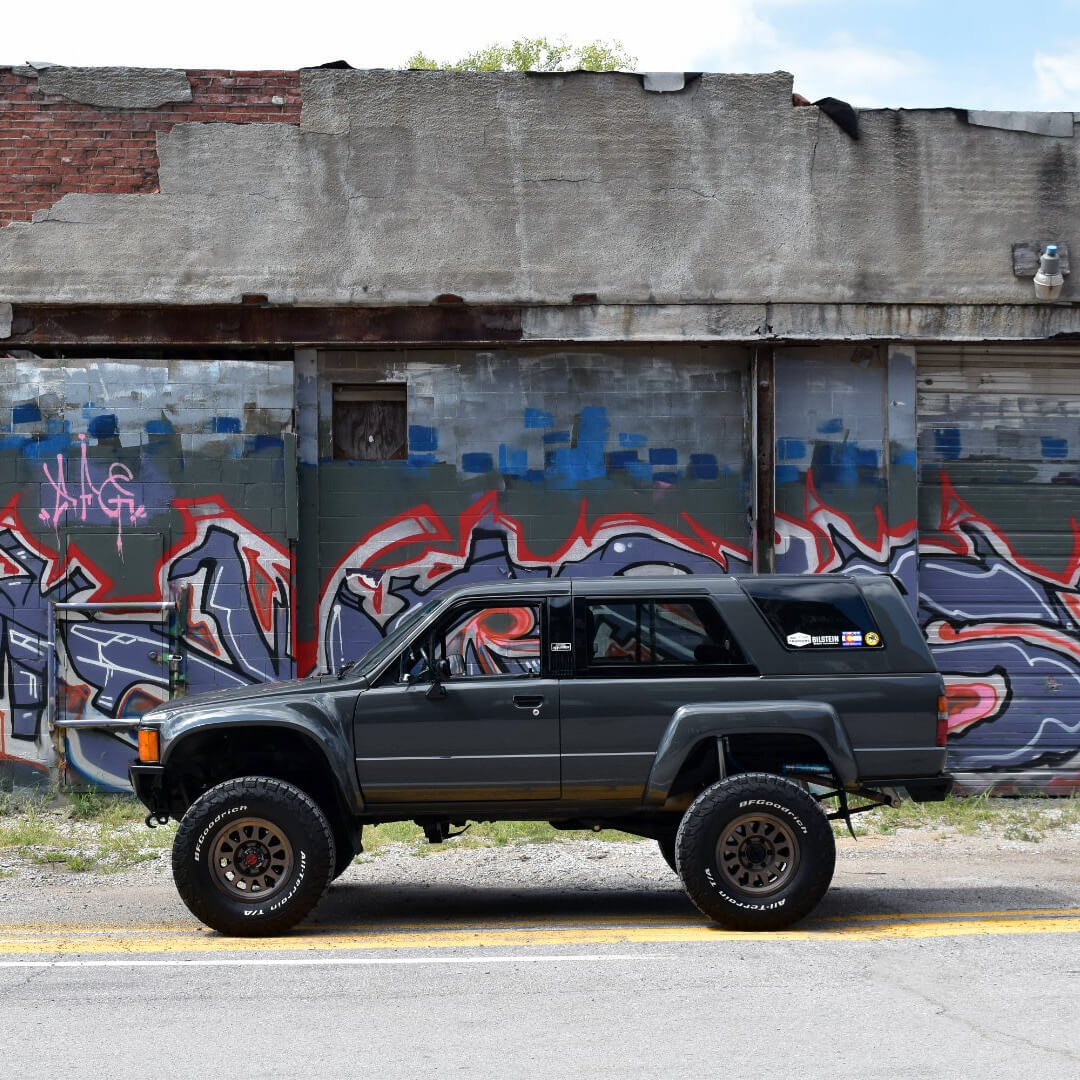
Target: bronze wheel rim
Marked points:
758	854
250	858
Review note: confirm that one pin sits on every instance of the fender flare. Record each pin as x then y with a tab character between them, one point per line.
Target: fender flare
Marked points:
691	724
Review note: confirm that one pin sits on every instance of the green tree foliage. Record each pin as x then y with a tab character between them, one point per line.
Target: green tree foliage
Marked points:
534	54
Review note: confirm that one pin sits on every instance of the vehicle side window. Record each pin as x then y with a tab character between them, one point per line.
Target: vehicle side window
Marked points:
501	639
652	633
815	614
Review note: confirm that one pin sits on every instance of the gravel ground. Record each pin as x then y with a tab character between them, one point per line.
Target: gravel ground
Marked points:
570	875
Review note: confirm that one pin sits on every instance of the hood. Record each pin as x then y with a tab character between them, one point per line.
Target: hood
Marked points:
256	691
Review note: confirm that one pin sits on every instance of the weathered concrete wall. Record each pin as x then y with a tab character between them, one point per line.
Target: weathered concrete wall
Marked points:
396	187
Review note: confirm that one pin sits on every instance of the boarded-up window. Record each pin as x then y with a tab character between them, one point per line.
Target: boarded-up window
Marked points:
370	423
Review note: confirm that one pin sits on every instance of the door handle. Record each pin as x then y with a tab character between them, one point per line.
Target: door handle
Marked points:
523	702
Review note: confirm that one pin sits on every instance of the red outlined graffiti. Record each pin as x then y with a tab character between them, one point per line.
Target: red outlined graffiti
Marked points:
416	552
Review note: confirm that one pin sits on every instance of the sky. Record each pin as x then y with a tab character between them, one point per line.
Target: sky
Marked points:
979	54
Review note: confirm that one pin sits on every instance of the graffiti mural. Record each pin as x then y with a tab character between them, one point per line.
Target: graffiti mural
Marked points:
231	587
1006	634
419	552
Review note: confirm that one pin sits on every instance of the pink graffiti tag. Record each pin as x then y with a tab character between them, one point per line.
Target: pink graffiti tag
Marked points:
110	497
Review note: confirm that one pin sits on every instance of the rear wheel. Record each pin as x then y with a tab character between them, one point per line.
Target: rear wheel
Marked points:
253	856
755	852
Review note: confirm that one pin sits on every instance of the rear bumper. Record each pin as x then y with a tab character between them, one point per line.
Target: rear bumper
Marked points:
923	788
149	784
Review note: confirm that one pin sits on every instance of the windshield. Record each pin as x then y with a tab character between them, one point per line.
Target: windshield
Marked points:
379	652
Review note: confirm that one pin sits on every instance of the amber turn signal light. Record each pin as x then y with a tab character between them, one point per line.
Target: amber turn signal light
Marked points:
149	745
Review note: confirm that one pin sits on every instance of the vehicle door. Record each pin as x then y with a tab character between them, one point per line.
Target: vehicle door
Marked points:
468	712
637	659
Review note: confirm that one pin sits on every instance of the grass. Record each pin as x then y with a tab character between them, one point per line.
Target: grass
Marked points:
1029	819
80	832
104	833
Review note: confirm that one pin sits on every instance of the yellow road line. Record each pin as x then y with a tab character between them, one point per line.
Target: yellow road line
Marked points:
55	942
531	922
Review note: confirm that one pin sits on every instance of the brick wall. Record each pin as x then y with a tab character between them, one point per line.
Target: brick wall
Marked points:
50	146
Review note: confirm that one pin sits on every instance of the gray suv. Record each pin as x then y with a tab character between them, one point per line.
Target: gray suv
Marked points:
728	718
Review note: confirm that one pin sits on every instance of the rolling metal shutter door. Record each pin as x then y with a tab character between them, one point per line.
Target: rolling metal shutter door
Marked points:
999	499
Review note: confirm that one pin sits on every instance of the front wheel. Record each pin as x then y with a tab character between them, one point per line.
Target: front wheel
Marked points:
755	852
253	856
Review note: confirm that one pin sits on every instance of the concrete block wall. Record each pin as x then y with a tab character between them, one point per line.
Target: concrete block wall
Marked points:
138	479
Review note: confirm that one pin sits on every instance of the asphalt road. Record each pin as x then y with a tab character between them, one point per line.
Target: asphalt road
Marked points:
927	959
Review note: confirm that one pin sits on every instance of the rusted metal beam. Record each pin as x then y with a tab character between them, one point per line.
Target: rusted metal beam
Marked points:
249	324
764	398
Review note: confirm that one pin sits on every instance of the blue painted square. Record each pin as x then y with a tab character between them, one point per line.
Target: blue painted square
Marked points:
421	461
159	427
704	467
790	450
226	425
631	441
477	463
513	462
104	426
26	413
46	448
423	438
831	427
620	459
947	442
537	418
787	474
551	437
663	455
1055	448
255	443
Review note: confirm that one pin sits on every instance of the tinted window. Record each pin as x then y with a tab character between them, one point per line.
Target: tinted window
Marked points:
654	632
815	615
496	640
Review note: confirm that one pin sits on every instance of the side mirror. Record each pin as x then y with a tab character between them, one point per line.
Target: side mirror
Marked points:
447	668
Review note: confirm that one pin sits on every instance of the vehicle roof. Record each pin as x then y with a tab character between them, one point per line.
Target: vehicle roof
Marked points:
635	584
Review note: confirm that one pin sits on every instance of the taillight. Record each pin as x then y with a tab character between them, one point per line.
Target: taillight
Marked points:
942	720
149	745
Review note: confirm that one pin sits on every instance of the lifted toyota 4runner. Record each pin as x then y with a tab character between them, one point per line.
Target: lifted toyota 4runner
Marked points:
719	716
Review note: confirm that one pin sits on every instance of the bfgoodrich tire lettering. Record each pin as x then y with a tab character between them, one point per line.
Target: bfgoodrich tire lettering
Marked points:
253	856
755	852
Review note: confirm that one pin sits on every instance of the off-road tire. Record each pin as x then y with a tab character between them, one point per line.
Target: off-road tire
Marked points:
755	852
253	856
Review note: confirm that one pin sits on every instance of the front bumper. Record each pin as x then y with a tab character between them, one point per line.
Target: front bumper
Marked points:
149	784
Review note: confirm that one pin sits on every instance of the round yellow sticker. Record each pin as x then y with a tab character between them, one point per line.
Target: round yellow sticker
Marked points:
872	639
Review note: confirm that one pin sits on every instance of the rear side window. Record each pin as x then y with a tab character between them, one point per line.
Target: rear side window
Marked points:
654	634
824	614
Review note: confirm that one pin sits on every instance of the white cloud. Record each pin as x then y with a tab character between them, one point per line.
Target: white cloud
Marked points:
1058	79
